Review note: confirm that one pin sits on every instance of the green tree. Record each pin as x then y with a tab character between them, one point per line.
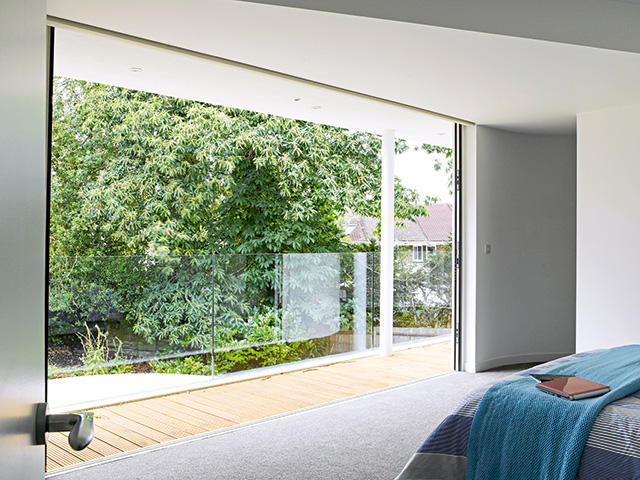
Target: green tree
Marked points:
135	173
443	158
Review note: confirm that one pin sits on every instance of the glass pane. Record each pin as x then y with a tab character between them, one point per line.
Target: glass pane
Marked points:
422	294
310	295
121	314
245	301
273	309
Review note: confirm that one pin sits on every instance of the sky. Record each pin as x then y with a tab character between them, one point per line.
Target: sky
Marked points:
415	170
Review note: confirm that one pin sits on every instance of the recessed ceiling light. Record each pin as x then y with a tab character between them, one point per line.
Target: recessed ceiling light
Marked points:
441	133
135	69
316	107
297	99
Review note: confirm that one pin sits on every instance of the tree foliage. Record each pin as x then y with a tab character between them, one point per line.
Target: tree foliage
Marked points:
442	158
145	188
134	173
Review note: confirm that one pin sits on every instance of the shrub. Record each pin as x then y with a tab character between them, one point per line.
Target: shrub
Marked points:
98	353
193	365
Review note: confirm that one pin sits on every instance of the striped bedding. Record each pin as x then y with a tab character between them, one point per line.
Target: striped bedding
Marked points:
612	450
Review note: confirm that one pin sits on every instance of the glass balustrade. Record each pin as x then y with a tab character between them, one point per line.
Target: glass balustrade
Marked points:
217	314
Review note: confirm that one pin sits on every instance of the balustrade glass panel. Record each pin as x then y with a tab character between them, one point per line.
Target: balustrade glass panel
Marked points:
422	294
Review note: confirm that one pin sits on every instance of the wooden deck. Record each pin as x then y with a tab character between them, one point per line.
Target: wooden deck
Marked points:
128	426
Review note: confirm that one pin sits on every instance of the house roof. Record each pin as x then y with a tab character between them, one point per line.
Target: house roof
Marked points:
436	227
409	232
363	231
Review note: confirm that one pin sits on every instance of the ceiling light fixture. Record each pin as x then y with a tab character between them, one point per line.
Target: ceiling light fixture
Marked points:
316	107
135	69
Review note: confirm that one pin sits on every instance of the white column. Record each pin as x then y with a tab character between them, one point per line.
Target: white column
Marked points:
387	225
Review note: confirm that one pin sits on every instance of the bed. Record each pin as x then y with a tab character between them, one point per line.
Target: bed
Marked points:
612	449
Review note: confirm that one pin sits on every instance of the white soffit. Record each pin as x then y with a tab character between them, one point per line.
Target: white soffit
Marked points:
101	59
506	82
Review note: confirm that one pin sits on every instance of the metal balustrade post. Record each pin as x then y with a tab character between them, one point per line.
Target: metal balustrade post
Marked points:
359	301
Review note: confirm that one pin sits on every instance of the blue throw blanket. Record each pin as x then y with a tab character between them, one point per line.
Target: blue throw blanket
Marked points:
519	432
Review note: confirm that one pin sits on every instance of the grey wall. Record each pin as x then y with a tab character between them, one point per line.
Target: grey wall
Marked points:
22	233
525	196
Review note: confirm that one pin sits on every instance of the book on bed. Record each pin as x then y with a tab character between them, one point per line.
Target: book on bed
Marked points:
573	388
545	377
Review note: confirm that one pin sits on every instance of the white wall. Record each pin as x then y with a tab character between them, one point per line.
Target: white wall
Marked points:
608	312
525	202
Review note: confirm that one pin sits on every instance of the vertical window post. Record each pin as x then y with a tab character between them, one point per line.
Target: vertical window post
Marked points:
387	225
457	297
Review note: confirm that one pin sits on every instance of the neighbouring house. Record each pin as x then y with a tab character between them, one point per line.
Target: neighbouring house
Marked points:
423	235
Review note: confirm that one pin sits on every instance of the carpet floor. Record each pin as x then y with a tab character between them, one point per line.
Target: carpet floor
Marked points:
367	437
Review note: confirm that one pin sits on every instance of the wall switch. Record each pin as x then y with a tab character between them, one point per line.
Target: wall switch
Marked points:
487	249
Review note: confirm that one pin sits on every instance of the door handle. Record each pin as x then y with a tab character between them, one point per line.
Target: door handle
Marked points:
79	426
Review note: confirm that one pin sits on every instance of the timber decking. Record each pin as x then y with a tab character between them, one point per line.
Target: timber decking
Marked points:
128	426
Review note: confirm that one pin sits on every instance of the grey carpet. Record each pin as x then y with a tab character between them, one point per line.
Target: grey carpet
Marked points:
370	437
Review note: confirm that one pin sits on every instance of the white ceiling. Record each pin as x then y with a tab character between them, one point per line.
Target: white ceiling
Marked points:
511	83
79	55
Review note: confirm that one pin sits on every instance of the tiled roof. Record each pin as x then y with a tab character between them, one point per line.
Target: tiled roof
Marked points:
437	226
409	232
363	232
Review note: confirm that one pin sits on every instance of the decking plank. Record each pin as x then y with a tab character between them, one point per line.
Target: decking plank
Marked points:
138	414
199	404
301	388
128	440
248	406
349	383
191	415
155	434
58	454
132	435
228	405
189	424
52	464
276	394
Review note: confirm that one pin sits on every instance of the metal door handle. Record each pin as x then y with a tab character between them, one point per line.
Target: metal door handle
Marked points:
79	426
